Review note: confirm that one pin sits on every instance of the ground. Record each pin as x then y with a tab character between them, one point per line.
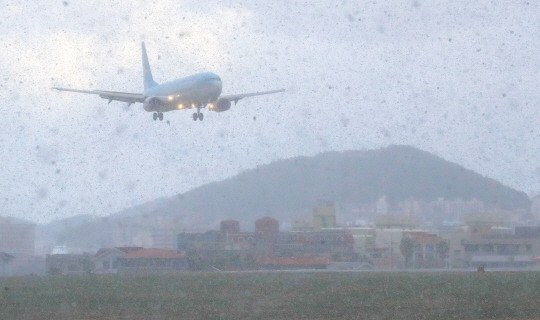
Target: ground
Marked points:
278	295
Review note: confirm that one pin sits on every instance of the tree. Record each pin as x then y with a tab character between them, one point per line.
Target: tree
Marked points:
406	247
443	249
87	264
5	258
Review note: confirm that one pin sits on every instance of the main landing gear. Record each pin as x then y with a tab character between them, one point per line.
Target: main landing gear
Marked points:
198	115
158	115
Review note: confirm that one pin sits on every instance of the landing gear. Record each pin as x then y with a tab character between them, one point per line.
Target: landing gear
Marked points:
155	116
198	115
158	115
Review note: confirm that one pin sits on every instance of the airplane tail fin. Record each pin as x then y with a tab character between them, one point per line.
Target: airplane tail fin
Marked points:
148	79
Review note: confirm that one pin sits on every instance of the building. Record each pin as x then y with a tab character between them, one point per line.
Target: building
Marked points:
152	260
493	248
476	225
267	227
322	243
229	250
146	230
428	250
382	206
17	237
485	220
383	250
208	241
106	259
363	239
324	216
63	264
266	233
229	227
395	221
384	253
487	240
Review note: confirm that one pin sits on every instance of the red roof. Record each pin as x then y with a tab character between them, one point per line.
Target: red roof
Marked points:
154	253
129	249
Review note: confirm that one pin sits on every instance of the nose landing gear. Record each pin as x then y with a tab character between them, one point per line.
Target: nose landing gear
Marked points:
198	115
157	115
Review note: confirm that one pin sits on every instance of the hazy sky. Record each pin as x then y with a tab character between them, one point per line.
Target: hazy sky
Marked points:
456	78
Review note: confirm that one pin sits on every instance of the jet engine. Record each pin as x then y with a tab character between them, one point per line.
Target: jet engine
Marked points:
222	105
153	104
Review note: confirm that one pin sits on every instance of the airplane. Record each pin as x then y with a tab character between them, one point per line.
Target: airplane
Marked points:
193	92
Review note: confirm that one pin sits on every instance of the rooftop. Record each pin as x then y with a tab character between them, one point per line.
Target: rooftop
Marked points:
123	249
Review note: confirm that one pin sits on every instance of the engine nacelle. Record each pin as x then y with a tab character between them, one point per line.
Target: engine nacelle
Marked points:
153	104
222	105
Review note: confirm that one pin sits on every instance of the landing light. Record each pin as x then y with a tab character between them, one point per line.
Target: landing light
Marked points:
211	106
192	106
180	106
170	98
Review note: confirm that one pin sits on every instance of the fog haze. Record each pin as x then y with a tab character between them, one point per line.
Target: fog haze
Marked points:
458	79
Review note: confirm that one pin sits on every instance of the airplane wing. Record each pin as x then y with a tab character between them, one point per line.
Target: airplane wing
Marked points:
111	95
236	97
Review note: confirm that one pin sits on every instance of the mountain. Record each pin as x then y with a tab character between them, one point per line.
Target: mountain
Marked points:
290	188
346	178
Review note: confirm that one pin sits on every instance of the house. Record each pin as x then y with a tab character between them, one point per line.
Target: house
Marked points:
106	259
429	250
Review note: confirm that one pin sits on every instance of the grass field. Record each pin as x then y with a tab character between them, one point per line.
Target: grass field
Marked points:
296	295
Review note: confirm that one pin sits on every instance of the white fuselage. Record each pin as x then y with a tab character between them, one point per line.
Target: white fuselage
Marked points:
190	92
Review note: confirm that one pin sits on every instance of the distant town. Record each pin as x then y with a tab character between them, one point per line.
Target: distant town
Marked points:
384	236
